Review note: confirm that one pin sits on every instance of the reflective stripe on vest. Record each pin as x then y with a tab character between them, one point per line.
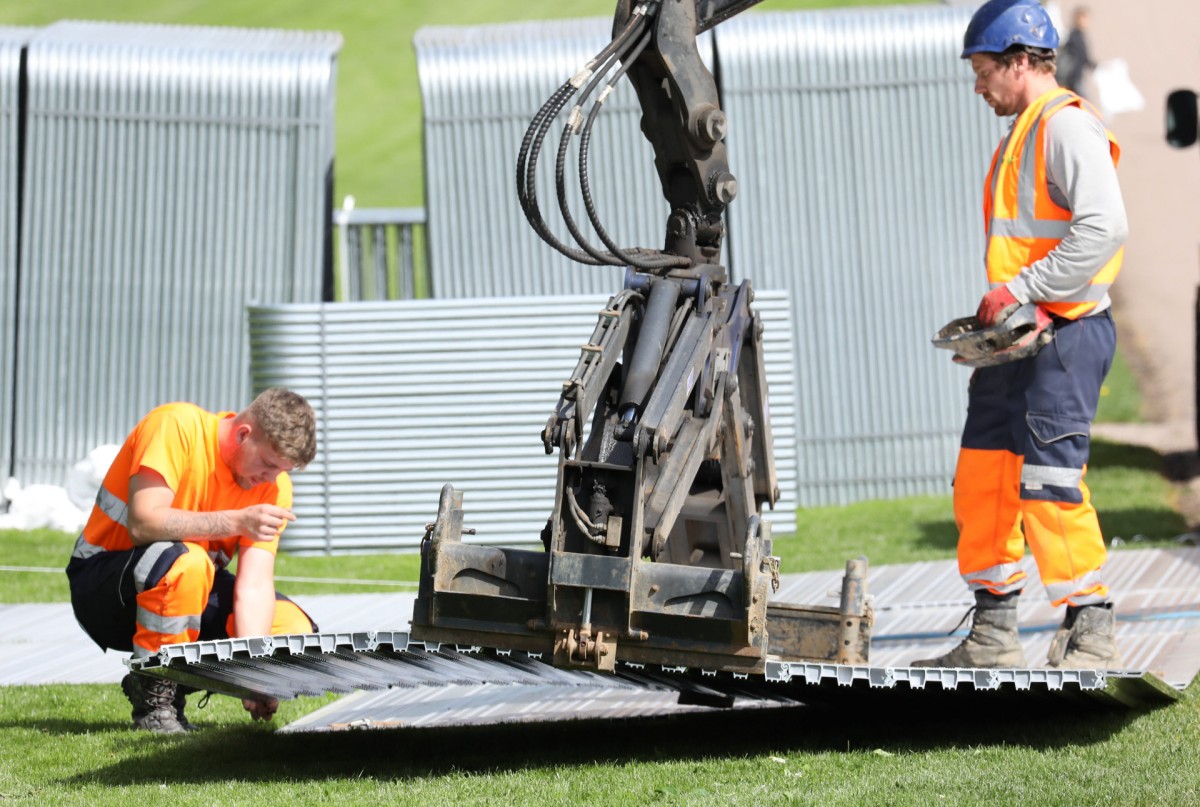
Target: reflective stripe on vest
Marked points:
113	507
83	550
1023	222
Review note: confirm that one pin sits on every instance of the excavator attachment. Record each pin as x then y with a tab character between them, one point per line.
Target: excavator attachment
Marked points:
656	550
588	611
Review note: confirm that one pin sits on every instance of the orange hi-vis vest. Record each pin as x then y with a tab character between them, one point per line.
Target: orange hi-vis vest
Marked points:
179	442
1023	222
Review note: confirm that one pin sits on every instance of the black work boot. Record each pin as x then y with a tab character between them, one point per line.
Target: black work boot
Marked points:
179	702
1086	640
992	641
153	702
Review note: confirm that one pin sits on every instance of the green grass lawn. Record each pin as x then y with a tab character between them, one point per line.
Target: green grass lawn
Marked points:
69	745
378	129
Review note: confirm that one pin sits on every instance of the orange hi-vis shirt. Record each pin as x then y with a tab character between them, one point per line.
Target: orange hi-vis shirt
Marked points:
179	441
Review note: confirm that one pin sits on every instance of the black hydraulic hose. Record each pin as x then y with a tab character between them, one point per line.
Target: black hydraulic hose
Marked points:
569	88
536	133
560	181
527	176
660	262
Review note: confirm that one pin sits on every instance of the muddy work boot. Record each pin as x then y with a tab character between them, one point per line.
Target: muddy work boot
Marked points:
992	641
1086	640
180	702
153	702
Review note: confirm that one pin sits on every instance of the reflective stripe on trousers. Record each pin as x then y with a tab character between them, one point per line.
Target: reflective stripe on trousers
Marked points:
173	581
151	593
1021	468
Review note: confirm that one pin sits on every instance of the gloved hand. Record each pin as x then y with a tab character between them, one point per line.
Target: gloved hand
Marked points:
996	306
1030	342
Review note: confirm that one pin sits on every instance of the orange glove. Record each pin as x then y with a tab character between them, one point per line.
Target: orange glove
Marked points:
996	306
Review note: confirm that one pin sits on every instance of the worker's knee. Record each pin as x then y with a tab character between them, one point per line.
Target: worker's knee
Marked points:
290	618
173	563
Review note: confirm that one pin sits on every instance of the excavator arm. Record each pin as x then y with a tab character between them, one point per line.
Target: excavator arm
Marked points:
656	550
682	119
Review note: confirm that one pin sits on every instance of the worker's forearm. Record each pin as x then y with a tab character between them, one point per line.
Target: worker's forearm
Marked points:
171	524
253	612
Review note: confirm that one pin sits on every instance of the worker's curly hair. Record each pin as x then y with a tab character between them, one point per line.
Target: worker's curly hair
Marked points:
1041	60
287	422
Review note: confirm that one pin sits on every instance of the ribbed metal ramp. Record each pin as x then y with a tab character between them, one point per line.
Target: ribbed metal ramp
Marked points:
430	685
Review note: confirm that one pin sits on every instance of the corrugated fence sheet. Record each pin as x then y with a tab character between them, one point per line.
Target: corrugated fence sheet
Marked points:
172	175
481	86
859	147
411	395
12	41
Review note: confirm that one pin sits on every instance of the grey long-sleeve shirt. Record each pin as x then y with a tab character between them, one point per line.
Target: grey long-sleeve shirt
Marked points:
1082	179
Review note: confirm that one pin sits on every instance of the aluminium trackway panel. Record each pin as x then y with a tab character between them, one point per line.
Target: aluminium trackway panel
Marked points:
460	705
285	667
916	605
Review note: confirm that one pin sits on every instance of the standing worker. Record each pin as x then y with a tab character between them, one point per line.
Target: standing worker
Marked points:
187	492
1075	60
1055	232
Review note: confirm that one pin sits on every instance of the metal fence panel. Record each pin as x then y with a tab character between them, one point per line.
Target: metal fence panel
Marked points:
480	87
860	149
173	175
12	41
411	395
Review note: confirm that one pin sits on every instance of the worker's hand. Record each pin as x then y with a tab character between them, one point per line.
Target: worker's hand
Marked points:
996	306
262	522
260	710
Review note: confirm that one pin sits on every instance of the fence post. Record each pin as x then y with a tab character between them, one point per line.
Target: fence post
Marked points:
341	220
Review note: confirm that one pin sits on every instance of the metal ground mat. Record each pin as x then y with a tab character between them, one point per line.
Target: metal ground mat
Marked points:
917	607
429	685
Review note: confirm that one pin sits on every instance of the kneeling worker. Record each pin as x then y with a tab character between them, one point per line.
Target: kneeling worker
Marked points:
188	491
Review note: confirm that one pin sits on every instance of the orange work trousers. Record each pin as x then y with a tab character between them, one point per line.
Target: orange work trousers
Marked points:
164	593
187	602
1021	467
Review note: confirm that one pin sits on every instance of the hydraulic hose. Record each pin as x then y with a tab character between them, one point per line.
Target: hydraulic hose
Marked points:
649	264
536	132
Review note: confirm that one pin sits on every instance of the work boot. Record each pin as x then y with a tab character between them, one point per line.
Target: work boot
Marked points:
1086	640
180	701
153	702
992	641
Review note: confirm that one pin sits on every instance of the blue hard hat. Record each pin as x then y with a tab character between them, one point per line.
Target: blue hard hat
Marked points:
1000	24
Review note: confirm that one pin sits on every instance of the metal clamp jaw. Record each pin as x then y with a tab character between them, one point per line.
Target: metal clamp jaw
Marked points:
1019	336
